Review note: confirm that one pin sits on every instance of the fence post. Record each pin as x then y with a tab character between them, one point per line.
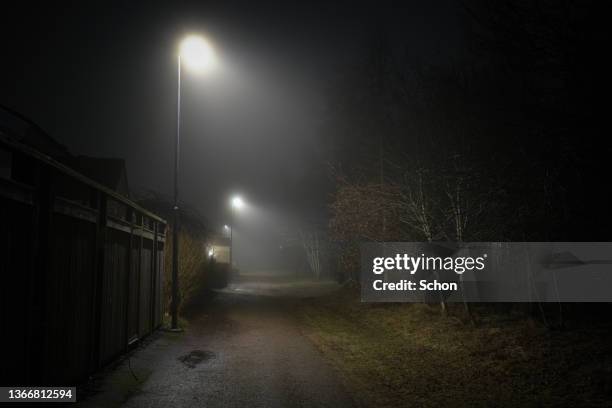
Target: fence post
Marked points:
154	277
99	278
39	275
140	243
130	218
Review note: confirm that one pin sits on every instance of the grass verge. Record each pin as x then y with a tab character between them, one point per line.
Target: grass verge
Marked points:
393	355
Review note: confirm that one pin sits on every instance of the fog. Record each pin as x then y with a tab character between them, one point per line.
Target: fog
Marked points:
259	125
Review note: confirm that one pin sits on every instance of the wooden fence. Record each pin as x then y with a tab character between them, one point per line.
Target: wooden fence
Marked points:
81	271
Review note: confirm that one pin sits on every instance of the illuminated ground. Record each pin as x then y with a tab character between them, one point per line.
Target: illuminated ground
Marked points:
245	350
276	284
269	341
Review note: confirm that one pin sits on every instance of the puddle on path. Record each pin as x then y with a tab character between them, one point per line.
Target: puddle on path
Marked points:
195	357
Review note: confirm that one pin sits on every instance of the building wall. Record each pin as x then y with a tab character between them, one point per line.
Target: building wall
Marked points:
221	253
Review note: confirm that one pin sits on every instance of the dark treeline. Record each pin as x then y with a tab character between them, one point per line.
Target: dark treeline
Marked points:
503	144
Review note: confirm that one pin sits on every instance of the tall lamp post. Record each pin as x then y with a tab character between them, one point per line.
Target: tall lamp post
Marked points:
197	54
237	204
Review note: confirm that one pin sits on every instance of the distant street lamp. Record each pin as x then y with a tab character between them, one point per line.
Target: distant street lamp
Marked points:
198	55
237	202
237	205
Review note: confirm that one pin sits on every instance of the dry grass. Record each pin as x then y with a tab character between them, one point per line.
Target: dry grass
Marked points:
409	355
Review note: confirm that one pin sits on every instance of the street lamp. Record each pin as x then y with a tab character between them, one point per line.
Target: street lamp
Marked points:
237	204
198	55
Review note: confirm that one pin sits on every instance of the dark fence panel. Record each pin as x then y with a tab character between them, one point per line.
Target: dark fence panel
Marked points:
69	305
16	219
80	271
158	312
114	295
134	289
146	273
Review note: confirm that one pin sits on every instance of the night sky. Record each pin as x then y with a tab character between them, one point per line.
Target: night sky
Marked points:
101	79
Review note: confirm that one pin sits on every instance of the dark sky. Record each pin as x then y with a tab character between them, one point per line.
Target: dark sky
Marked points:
101	79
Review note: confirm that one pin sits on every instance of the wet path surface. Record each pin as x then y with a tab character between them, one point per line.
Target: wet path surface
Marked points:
243	350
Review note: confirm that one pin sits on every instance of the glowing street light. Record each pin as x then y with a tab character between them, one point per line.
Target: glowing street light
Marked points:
198	55
237	204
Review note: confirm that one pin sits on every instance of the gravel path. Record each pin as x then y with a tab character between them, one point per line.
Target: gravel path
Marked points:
242	351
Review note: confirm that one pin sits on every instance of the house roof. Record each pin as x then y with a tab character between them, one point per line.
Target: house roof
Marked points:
110	172
23	130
